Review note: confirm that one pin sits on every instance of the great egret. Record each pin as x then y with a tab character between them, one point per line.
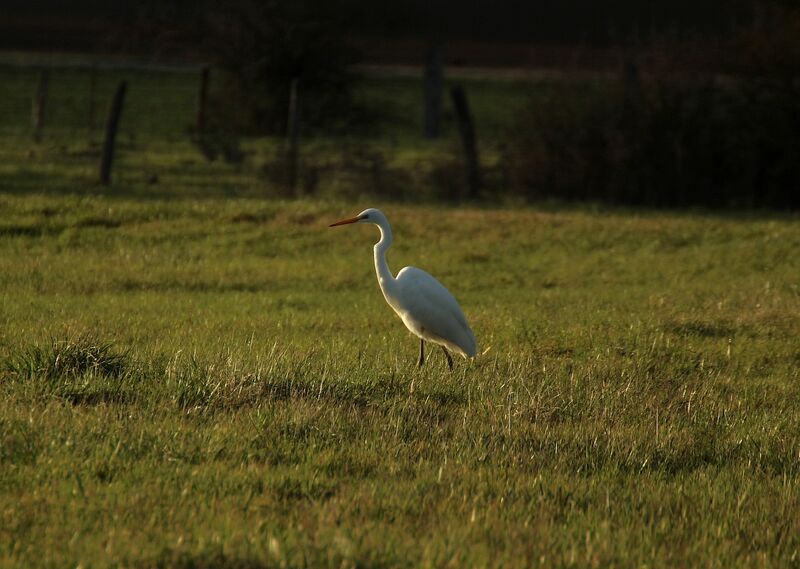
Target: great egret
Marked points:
426	307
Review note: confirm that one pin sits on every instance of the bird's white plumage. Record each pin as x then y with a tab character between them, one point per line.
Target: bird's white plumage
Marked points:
432	313
426	307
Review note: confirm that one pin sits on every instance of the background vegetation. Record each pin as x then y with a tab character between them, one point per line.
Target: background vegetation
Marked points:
664	144
675	120
630	138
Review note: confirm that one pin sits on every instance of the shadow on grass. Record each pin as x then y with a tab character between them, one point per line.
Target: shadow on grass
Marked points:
127	183
30	181
359	395
700	328
193	287
24	231
97	397
201	560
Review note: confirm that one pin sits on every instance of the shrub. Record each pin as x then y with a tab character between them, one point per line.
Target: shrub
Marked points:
669	143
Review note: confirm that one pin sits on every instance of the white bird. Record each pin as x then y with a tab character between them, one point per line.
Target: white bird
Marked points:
426	307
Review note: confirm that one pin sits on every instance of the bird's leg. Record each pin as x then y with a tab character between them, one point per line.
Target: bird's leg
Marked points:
449	359
421	353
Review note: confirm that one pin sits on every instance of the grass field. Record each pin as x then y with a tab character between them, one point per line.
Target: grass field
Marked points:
201	379
156	157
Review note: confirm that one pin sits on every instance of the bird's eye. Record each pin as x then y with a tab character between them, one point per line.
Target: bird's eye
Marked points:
366	216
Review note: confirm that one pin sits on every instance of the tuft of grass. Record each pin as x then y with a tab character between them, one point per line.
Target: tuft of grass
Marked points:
81	370
67	359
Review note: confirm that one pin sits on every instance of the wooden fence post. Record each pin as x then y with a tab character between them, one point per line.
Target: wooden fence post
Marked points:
433	86
467	130
92	97
293	136
112	123
39	102
202	97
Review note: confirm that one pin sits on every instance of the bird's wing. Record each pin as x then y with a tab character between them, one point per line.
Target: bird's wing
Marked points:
434	308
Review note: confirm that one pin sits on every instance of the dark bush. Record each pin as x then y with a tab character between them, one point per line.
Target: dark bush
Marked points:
677	135
666	143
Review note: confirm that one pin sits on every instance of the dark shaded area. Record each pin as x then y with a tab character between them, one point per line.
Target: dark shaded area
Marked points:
703	329
91	398
570	21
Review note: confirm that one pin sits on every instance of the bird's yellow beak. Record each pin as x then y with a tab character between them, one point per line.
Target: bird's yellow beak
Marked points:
344	221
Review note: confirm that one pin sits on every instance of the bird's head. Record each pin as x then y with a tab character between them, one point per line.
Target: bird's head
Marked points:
370	215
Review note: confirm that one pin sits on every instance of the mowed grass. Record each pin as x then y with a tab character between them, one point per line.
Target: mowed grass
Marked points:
218	382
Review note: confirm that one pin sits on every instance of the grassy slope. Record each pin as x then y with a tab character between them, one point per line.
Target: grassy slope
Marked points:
637	405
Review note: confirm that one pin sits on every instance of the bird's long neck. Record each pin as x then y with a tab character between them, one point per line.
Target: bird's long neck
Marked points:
386	280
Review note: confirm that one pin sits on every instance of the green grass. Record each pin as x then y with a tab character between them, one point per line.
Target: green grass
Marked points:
156	158
232	390
194	376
